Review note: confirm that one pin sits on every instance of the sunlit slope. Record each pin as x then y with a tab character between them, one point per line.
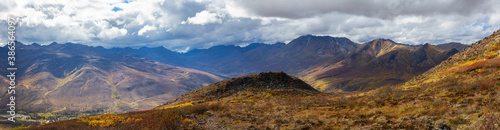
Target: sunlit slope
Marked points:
374	64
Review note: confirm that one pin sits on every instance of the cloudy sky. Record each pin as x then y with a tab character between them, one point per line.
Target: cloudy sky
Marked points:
182	25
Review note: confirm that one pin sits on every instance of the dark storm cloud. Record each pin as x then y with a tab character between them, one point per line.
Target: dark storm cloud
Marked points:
372	8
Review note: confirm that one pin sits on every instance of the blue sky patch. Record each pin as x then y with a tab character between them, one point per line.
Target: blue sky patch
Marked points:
116	9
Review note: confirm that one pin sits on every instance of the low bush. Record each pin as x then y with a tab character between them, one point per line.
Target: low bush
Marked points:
490	121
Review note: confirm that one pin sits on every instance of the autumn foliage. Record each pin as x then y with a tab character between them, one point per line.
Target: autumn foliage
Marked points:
169	118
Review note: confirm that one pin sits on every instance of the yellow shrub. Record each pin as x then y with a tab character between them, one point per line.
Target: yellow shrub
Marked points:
132	120
103	121
180	105
268	95
490	54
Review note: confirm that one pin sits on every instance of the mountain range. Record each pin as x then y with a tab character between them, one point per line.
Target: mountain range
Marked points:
72	78
329	64
459	93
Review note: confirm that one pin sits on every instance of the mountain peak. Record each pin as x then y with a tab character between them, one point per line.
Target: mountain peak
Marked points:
429	47
321	45
381	41
379	46
279	44
311	37
36	44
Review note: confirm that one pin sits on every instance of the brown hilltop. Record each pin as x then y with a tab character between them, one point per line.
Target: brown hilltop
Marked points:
264	81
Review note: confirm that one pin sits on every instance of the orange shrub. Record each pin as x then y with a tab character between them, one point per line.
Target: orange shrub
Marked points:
486	84
472	65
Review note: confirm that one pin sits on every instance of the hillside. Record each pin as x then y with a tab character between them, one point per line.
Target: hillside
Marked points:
459	93
79	80
373	64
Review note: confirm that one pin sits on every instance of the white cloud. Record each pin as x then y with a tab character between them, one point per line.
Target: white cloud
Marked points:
494	19
146	29
111	33
203	17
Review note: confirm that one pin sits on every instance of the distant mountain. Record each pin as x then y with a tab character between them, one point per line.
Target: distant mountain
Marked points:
370	65
230	61
306	51
159	54
374	64
233	61
382	62
224	60
452	45
72	78
321	46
